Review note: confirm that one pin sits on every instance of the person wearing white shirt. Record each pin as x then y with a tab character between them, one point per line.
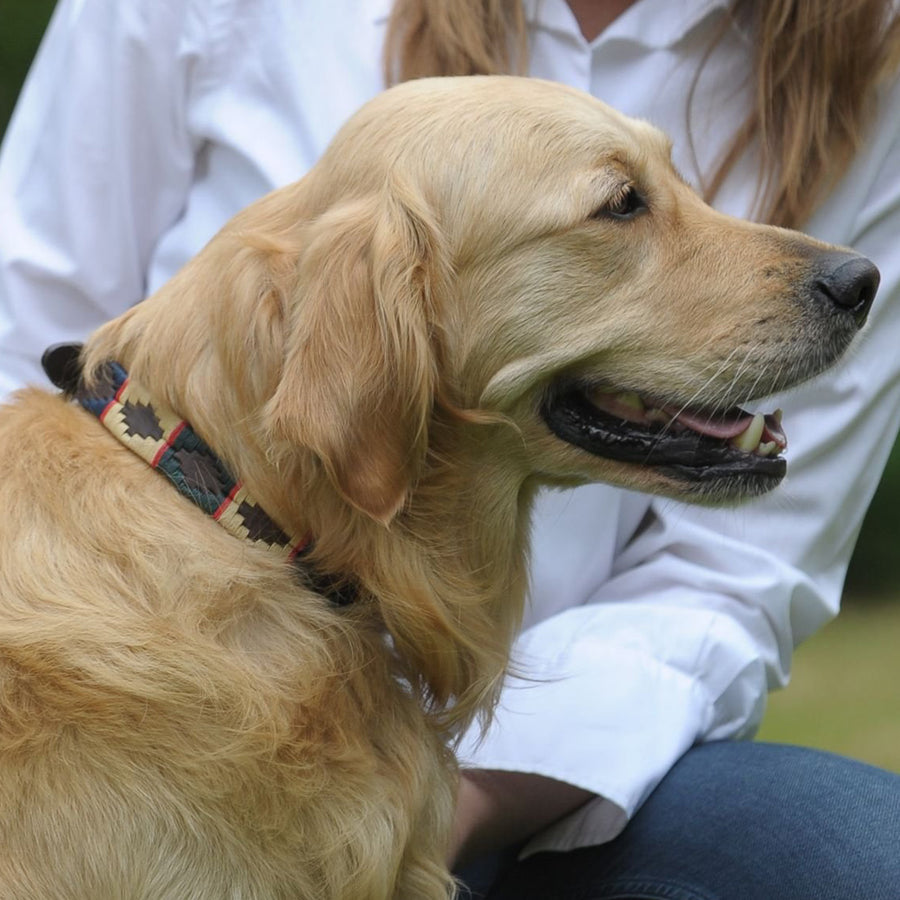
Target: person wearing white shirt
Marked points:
651	628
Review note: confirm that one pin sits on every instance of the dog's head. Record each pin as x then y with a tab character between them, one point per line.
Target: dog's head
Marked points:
522	249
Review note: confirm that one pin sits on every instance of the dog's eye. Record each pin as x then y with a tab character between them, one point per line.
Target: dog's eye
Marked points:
626	204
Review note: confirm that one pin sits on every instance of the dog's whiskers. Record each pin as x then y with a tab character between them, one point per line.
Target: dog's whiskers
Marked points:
720	406
720	367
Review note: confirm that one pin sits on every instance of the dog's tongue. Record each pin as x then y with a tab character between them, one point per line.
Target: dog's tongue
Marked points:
731	424
727	425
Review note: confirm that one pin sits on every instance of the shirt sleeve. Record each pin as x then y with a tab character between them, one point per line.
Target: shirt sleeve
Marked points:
700	611
95	165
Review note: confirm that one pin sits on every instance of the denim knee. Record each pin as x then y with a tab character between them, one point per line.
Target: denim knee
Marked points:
739	821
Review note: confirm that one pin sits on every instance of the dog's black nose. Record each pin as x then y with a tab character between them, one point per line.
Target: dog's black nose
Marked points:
849	281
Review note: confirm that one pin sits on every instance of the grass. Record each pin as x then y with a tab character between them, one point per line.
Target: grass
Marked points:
21	27
844	694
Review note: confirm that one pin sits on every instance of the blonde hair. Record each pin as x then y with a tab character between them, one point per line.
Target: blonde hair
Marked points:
455	37
816	68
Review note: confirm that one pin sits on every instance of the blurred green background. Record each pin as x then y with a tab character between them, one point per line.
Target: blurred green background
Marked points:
845	691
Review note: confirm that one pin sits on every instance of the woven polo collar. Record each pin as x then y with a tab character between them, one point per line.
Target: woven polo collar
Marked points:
168	444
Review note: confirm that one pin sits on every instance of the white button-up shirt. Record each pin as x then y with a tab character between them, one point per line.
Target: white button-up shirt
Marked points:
145	124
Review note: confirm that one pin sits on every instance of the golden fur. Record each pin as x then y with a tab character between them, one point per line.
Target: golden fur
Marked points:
366	349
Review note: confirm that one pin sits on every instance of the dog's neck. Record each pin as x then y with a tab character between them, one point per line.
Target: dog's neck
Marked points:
469	522
448	575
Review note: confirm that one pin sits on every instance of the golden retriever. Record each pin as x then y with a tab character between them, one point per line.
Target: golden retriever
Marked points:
485	286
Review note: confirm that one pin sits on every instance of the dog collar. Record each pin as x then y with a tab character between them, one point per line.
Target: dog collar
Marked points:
168	444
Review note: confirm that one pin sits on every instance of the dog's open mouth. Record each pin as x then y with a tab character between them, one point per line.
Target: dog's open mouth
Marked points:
689	443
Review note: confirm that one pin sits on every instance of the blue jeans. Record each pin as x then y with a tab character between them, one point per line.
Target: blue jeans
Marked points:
738	821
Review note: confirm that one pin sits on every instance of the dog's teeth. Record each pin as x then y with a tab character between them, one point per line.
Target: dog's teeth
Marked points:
767	449
631	400
748	440
777	416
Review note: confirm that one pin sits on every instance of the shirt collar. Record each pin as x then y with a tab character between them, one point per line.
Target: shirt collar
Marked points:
650	23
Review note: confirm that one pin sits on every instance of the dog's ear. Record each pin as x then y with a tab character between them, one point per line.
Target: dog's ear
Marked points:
359	373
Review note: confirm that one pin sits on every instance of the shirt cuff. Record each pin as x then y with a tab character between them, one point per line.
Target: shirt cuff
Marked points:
594	727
